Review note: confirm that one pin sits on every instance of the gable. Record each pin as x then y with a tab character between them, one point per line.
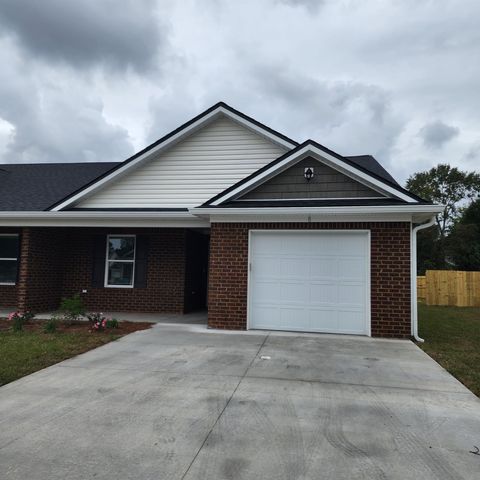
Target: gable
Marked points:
190	172
327	183
310	149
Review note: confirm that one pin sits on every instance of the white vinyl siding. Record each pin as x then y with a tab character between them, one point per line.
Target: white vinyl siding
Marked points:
192	171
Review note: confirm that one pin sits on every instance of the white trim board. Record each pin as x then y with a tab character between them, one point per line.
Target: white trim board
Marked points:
167	143
102	219
380	213
322	156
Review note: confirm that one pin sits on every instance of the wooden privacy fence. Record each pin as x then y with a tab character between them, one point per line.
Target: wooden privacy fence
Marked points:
449	287
422	288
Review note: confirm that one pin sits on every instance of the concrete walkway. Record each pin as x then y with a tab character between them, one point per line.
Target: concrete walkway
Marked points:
184	402
197	318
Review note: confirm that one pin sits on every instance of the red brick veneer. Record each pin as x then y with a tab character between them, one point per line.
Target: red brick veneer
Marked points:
41	268
165	275
58	263
390	273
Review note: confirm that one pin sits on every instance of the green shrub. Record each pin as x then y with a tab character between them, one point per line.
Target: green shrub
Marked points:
19	320
112	323
73	308
50	326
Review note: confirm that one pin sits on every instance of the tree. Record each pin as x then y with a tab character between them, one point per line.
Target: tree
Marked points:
463	242
447	186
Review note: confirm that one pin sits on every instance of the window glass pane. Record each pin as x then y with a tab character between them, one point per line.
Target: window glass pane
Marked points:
121	248
120	273
8	271
8	247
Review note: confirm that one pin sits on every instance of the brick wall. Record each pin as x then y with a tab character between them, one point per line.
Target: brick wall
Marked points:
58	263
165	272
8	293
390	273
40	274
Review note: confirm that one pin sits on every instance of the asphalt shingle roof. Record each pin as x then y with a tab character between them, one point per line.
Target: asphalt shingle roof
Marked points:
373	165
34	187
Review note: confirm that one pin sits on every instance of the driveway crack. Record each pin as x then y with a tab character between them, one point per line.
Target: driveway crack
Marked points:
225	407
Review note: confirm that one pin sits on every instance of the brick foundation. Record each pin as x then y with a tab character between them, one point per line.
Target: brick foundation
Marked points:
390	273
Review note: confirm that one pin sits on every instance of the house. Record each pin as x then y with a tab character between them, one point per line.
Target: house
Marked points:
224	212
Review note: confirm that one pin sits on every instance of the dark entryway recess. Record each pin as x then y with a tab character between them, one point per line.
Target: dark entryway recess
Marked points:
196	270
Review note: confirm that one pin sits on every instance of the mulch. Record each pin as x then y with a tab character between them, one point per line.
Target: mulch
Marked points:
124	328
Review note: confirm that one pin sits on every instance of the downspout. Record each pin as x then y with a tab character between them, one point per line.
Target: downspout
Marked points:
413	277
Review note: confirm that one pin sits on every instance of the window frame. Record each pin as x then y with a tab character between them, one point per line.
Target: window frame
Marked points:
17	236
108	261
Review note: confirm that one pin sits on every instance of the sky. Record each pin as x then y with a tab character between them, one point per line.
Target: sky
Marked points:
98	80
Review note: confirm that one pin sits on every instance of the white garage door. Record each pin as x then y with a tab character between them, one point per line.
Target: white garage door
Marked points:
309	281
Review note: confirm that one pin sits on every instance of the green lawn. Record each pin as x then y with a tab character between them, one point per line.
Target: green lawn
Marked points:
26	352
452	338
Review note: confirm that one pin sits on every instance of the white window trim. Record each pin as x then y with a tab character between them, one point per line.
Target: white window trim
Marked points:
16	235
107	260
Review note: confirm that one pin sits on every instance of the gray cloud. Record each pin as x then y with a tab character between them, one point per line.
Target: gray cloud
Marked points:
436	134
359	77
57	123
87	32
310	5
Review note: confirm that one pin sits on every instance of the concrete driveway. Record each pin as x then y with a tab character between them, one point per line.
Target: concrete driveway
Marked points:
182	402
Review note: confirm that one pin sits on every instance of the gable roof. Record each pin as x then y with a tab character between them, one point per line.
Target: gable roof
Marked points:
171	138
355	167
34	187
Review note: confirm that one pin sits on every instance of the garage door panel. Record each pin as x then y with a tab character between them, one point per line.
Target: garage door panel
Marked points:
294	292
352	267
268	245
291	243
323	267
323	320
267	317
323	293
350	321
294	266
351	294
293	319
266	266
309	281
265	292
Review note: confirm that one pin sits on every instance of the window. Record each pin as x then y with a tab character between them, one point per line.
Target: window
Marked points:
120	261
8	259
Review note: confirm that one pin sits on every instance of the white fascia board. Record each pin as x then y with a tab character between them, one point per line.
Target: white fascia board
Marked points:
102	219
167	144
328	160
380	213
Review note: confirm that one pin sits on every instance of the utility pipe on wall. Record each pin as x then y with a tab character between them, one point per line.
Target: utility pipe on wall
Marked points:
413	277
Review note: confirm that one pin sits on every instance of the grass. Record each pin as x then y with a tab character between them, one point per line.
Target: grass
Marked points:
22	353
452	338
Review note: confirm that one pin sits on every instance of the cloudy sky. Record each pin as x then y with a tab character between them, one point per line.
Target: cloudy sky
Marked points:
96	80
